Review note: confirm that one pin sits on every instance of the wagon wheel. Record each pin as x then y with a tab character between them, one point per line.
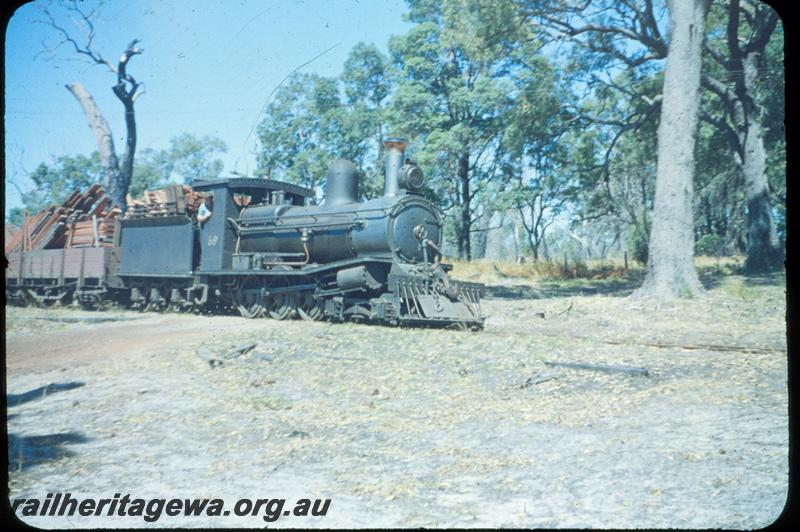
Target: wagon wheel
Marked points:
280	306
89	302
59	303
46	302
15	298
310	308
178	305
32	298
135	304
155	305
249	300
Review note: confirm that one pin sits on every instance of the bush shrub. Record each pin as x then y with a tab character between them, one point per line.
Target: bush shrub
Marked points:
710	245
637	244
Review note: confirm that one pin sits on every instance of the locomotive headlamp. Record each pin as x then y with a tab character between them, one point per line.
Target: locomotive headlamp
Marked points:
411	177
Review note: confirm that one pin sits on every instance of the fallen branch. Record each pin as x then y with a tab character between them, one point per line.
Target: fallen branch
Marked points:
87	319
700	347
239	351
334	357
530	381
660	345
565	311
596	367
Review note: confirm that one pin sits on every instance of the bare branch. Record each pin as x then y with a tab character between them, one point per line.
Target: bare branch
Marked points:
86	50
638	25
715	55
763	29
725	128
16	186
718	88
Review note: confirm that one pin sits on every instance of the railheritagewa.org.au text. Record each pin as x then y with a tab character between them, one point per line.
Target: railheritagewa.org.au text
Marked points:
153	509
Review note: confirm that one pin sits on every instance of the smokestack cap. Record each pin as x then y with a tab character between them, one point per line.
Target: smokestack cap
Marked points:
396	143
395	148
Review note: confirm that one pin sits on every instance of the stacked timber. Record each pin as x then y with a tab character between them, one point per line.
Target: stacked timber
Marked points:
88	219
168	201
82	220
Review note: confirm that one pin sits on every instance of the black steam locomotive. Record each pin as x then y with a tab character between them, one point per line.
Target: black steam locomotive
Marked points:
266	253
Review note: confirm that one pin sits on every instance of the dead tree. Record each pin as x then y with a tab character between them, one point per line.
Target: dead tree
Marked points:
117	175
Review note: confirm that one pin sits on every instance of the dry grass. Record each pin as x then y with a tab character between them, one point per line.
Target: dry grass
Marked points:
553	270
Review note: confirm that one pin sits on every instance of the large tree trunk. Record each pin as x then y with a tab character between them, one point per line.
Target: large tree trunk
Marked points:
762	249
670	266
115	182
743	63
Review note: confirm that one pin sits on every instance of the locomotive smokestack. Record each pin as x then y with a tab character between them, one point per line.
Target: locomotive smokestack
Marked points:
395	152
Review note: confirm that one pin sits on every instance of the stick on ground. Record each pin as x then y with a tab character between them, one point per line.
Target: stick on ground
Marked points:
608	369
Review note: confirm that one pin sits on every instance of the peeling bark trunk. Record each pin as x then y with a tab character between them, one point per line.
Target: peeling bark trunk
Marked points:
670	265
101	130
115	180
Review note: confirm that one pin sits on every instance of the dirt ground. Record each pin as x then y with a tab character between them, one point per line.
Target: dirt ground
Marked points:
415	427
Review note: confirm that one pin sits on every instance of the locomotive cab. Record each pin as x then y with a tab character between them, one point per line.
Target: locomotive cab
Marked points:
218	235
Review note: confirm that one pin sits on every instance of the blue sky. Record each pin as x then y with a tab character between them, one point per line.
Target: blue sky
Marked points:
208	66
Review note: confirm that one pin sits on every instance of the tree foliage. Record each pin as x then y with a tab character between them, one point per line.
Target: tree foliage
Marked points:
188	158
193	158
546	108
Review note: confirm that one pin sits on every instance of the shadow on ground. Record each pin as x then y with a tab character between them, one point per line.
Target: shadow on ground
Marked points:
25	452
710	277
15	399
617	287
773	279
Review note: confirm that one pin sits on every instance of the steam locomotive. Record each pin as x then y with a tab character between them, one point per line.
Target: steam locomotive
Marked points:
266	251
